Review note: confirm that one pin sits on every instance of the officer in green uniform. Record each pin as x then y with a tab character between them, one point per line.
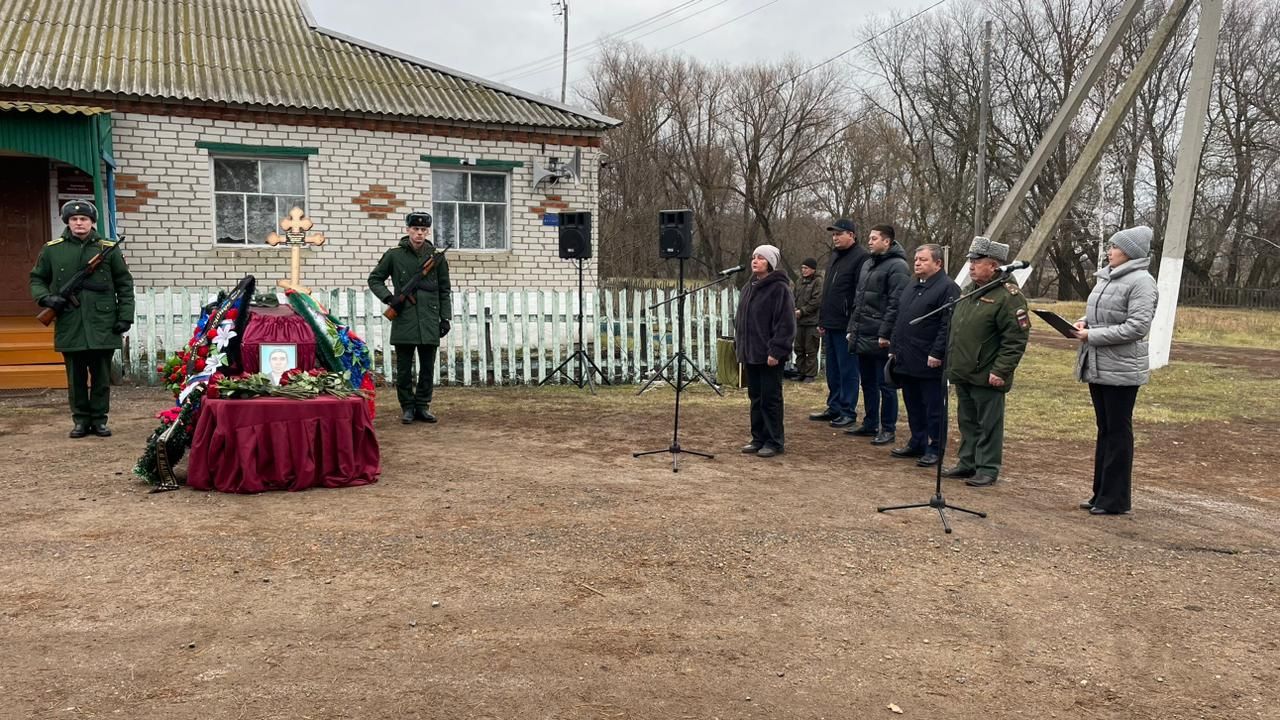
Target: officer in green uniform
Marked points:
419	326
989	334
87	335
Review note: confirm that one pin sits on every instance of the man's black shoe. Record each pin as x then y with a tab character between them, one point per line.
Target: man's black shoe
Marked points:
863	431
906	452
980	481
884	438
843	421
824	415
407	417
1086	505
928	460
751	447
424	415
768	451
1095	510
958	472
100	429
79	431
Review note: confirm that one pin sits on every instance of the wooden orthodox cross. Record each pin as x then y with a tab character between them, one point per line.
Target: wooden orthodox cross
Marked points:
295	228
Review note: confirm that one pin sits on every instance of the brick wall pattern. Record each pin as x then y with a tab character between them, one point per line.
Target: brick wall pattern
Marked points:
359	186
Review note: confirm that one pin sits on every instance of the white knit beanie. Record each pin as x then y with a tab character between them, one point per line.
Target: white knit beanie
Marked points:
770	253
1134	242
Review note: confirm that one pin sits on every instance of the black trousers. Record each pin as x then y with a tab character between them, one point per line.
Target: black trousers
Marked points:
764	387
923	398
412	398
1113	452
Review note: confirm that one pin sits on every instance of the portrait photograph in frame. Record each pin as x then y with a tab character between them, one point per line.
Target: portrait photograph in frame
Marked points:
275	360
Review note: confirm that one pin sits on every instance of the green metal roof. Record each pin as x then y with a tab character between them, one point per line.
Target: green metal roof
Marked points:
250	52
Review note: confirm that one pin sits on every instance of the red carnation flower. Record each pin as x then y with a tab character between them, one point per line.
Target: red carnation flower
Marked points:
203	351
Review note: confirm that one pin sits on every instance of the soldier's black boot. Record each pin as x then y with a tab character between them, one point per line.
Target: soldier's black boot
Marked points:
100	429
407	417
79	431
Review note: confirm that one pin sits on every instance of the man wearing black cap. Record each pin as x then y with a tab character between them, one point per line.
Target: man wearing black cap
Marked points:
808	300
839	289
419	325
89	327
989	334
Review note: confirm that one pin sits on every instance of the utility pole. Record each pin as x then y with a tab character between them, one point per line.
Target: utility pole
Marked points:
562	11
984	112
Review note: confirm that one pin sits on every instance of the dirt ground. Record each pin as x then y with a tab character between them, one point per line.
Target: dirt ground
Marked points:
515	561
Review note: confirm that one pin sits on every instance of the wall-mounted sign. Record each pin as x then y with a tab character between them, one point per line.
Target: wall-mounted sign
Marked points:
74	183
551	219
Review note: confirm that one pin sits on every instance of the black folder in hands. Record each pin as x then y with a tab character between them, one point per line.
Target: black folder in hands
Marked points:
1057	322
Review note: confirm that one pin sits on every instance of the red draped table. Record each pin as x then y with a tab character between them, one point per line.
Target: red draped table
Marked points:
248	446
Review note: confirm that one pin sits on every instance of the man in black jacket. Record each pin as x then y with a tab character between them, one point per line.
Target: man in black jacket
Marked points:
919	352
870	329
839	287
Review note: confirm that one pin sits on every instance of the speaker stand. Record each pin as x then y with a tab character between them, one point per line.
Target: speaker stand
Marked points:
585	366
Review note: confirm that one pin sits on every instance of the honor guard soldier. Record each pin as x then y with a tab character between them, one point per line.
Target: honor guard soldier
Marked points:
92	314
989	333
420	319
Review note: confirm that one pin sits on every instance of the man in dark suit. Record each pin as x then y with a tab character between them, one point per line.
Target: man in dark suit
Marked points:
918	353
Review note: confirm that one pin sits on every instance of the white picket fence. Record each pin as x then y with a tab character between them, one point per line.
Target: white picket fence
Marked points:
511	337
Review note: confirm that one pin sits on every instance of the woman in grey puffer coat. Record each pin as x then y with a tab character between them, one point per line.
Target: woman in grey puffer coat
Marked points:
1113	360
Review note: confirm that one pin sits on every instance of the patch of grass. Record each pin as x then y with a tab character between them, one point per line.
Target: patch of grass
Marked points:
1205	326
1047	400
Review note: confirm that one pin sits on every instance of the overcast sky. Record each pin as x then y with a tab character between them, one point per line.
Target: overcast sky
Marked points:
492	38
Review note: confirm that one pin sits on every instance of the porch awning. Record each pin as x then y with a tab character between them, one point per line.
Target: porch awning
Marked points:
75	134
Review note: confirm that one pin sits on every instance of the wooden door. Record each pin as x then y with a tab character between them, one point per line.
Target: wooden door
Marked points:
24	229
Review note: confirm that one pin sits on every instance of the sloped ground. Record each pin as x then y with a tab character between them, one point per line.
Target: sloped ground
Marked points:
575	581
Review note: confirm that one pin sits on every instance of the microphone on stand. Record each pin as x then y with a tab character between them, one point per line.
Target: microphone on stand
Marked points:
1015	265
735	269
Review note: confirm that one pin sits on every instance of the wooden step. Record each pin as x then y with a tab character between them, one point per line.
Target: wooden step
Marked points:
24	330
28	353
15	377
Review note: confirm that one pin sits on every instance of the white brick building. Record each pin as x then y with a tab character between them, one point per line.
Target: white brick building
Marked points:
246	108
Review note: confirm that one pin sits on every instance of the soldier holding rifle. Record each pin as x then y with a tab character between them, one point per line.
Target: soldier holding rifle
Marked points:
83	284
419	309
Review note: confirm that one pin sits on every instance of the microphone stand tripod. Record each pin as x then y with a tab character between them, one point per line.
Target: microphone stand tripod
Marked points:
579	354
938	502
678	360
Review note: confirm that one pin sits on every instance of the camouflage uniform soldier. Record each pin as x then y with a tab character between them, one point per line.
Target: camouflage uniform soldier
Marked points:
87	334
988	337
419	325
808	299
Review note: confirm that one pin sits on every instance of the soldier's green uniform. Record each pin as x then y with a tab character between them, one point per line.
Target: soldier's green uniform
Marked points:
419	326
989	335
88	335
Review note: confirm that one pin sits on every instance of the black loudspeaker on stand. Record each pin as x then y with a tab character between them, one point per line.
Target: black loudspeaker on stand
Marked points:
575	244
937	502
675	228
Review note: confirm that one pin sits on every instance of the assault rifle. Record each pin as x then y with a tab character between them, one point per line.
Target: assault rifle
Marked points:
408	295
70	290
